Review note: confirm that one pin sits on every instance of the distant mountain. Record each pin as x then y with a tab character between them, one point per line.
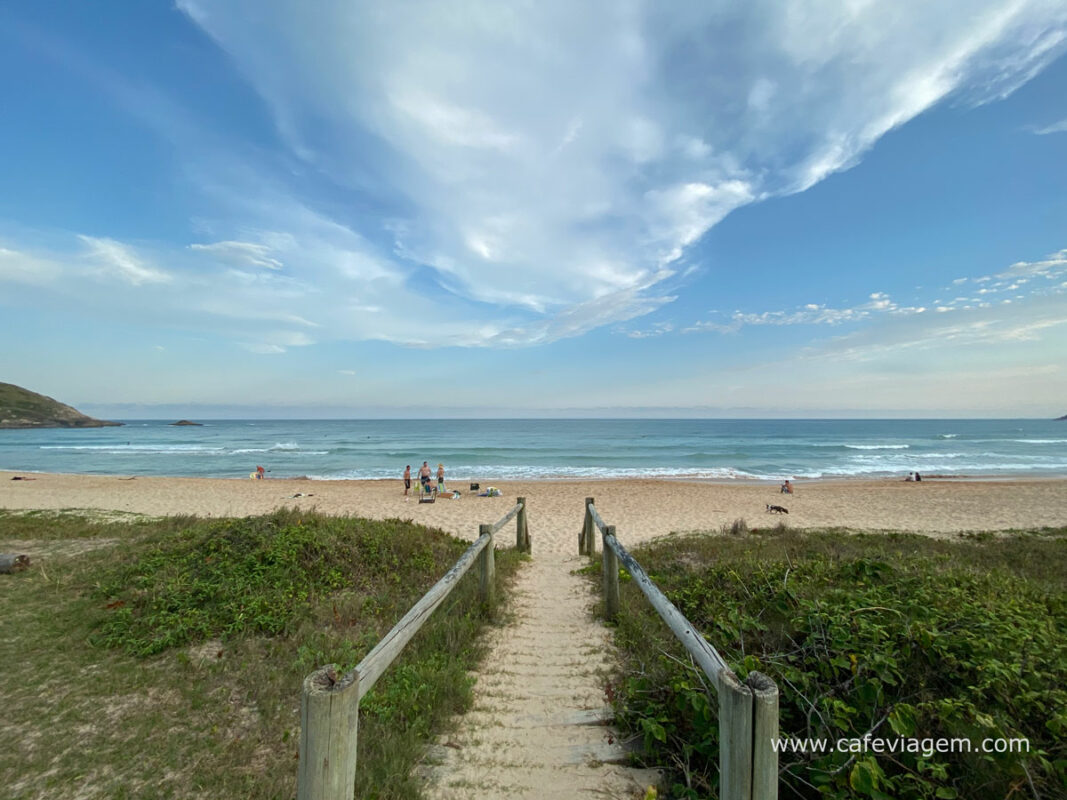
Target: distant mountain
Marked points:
1058	419
21	408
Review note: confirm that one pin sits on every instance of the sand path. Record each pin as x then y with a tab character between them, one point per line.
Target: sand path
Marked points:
540	722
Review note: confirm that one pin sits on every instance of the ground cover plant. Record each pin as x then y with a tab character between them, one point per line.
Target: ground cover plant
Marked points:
165	658
889	634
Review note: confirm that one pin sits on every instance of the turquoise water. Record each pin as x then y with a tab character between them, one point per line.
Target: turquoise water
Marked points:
542	449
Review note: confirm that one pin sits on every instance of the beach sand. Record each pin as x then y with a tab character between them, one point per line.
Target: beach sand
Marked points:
640	509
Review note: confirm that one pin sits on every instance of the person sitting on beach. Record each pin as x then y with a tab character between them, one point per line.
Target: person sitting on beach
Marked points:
918	477
440	477
787	488
424	474
259	473
911	477
407	480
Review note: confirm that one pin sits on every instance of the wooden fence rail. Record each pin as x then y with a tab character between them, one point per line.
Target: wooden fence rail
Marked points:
329	709
748	712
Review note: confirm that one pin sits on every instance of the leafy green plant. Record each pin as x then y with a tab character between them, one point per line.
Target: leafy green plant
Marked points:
257	575
893	636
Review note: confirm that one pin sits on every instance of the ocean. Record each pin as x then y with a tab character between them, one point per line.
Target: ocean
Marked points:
537	449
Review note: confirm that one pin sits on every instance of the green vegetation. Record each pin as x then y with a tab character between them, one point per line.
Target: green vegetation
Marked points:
21	408
889	634
165	658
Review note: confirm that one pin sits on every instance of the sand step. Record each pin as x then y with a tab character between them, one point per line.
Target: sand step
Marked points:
540	726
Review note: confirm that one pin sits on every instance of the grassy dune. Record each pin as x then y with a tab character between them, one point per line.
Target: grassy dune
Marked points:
885	634
164	658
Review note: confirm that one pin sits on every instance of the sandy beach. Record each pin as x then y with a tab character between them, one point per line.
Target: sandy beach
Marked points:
641	509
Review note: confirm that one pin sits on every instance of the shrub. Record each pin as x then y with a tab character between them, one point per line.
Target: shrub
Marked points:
257	575
892	635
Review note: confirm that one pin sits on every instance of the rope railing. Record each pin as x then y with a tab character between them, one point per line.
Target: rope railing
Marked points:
748	712
329	710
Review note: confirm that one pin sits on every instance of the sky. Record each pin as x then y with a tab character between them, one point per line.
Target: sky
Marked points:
299	209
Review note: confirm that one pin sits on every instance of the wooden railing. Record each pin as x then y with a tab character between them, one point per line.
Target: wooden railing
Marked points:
748	712
329	710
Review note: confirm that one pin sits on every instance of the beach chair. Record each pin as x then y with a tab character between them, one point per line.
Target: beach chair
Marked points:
427	494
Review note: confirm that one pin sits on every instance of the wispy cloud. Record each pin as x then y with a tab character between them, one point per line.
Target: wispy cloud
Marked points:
118	260
810	314
1021	280
248	254
1055	127
657	329
469	173
550	160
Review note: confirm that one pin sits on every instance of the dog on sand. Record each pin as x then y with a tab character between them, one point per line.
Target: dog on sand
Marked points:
771	509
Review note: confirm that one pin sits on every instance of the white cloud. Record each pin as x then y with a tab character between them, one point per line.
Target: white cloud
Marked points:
504	175
118	260
545	161
1020	274
1052	266
810	314
247	254
1056	127
657	329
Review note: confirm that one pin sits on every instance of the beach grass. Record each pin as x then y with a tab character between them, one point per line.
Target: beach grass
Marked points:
165	657
883	633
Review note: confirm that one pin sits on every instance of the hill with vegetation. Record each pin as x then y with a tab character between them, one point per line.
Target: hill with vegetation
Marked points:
21	408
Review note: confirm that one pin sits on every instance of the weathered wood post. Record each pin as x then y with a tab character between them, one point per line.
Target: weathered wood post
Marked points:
522	531
586	542
487	567
735	738
329	717
764	732
611	577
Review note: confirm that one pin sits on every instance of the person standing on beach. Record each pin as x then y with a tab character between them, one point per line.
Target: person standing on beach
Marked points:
424	474
407	480
440	477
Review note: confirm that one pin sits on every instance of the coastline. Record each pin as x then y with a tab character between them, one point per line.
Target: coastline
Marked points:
641	508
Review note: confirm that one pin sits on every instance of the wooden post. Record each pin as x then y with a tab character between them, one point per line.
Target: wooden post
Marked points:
764	732
735	739
329	716
487	567
586	542
611	577
522	532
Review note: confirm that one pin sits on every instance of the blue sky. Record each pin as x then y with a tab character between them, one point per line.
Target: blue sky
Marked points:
463	208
